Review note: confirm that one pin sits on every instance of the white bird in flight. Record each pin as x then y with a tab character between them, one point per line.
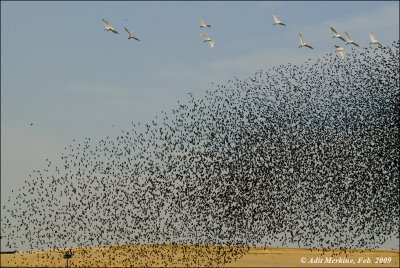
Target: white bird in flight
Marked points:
277	20
302	43
207	39
374	41
130	36
340	50
349	41
203	24
107	27
336	35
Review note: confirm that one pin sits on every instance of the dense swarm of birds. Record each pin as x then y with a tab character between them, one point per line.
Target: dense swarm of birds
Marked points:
302	155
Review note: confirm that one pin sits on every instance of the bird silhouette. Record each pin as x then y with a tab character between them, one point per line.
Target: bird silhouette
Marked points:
337	35
302	43
349	40
277	21
207	39
107	27
203	23
131	36
374	41
340	50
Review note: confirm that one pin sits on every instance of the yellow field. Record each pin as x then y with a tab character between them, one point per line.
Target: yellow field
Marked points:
195	256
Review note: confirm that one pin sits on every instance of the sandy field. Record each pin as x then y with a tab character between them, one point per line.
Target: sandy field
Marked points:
200	256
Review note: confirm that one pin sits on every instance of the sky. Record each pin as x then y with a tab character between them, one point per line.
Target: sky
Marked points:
62	72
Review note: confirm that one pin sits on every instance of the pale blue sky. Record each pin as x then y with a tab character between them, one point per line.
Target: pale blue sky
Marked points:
71	79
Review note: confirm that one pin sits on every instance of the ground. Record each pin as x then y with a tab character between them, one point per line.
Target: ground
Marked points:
197	256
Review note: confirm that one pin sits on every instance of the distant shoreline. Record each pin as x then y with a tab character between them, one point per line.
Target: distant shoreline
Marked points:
8	252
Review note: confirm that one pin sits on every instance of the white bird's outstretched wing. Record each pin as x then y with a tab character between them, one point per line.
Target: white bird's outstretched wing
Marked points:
301	40
106	24
130	35
334	31
372	37
341	53
276	19
347	37
205	37
113	30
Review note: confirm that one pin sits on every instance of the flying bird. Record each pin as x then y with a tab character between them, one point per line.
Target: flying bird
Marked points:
302	43
278	21
131	36
340	50
203	24
207	39
374	41
107	27
336	34
349	41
